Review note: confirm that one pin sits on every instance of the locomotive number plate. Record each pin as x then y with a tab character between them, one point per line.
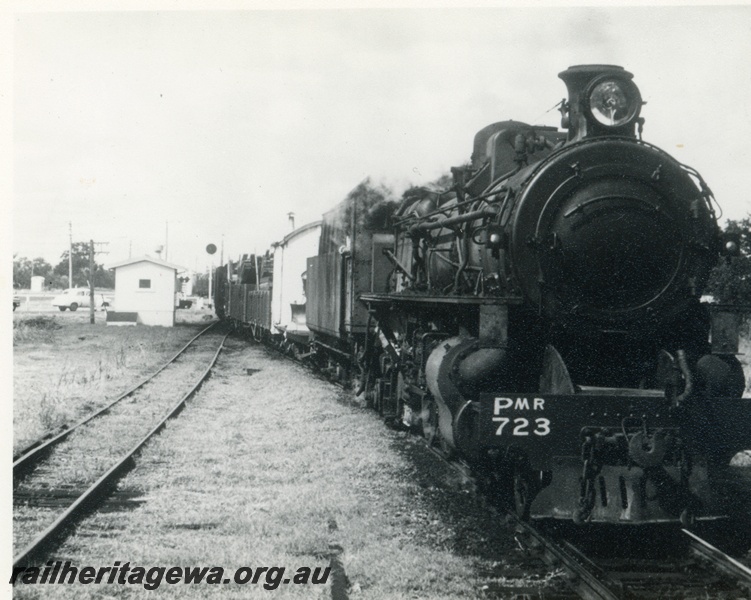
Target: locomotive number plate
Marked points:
544	426
508	422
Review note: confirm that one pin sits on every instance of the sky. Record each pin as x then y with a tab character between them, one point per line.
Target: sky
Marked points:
182	128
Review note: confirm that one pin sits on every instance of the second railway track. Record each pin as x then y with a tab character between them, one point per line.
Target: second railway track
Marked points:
695	568
685	567
62	479
688	567
27	458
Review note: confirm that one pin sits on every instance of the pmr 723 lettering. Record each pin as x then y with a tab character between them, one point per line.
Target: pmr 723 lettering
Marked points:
520	426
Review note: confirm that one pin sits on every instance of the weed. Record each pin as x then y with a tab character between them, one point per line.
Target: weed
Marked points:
121	357
39	322
53	412
57	403
39	329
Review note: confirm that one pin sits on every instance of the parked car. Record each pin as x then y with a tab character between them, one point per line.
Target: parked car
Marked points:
78	297
16	302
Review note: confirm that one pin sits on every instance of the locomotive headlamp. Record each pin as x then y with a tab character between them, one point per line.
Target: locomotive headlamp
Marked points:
613	102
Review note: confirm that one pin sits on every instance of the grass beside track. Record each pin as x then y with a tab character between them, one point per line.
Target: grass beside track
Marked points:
65	368
271	470
254	473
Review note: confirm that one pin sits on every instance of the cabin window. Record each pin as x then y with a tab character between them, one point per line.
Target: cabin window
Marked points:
144	284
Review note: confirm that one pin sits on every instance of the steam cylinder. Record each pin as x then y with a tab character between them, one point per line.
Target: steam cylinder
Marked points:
456	372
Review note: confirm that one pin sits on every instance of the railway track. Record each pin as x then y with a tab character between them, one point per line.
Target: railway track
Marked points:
59	481
698	570
693	569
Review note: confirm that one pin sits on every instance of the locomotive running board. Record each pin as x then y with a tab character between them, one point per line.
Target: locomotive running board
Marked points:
377	299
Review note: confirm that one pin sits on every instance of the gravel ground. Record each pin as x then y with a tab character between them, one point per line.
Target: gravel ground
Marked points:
278	469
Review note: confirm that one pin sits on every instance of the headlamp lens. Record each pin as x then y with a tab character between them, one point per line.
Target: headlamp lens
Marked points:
612	104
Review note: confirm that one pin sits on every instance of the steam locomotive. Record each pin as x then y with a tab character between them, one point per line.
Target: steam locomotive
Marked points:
540	318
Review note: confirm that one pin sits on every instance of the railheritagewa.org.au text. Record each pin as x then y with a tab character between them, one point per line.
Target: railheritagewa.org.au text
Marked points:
122	573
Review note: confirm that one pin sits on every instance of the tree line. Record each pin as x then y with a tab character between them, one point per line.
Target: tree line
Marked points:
56	277
730	281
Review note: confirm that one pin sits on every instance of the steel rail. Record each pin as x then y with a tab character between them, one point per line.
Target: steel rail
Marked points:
55	533
33	453
717	558
586	579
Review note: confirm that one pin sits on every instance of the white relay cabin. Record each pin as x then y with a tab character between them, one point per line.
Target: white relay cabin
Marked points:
146	286
290	263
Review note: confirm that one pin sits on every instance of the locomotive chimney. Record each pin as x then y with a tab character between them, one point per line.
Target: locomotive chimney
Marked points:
291	217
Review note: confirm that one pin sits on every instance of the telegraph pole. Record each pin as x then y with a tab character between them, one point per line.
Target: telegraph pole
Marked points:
92	296
92	267
211	277
70	254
